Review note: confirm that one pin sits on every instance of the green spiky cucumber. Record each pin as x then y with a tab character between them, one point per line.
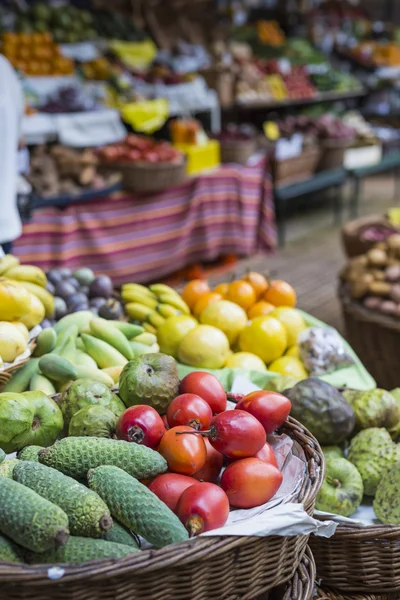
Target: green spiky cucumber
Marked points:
2	455
7	467
57	368
20	381
46	342
9	551
74	456
87	513
30	520
29	453
136	507
79	550
120	535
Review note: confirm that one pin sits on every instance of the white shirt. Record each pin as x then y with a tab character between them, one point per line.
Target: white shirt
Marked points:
11	113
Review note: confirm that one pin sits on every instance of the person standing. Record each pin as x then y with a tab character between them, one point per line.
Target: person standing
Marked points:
11	114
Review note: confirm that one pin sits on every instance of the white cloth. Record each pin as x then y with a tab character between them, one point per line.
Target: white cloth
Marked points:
11	113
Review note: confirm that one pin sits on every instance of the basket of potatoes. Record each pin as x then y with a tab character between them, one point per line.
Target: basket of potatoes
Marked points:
370	295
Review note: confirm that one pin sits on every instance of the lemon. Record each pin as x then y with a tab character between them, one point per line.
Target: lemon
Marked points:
293	351
171	333
288	366
35	314
265	337
204	347
226	316
12	342
292	321
245	360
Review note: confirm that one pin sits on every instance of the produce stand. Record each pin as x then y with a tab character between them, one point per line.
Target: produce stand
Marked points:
146	237
353	241
63	201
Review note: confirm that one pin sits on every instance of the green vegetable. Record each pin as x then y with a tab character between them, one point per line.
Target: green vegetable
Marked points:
79	550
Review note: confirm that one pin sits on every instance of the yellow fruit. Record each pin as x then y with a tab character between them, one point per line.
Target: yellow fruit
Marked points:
171	333
293	351
35	314
44	296
14	300
22	328
12	342
28	273
292	321
204	347
226	316
288	366
114	372
260	309
245	360
221	288
1	363
242	293
265	337
7	262
204	301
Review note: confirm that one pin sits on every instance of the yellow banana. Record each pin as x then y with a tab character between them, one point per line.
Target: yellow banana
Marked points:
161	288
28	273
44	296
149	328
175	301
137	287
137	312
133	296
8	262
166	310
146	338
155	319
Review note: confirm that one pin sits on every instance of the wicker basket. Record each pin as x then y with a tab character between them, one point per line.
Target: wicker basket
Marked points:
292	170
301	587
352	240
328	594
375	338
212	568
332	154
6	374
238	151
149	177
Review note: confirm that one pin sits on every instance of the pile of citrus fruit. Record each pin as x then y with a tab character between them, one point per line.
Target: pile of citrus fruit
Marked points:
250	323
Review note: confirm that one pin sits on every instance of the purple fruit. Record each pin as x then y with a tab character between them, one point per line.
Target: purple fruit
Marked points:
46	324
54	276
60	308
73	282
50	287
79	306
101	286
64	289
76	298
97	302
84	289
112	310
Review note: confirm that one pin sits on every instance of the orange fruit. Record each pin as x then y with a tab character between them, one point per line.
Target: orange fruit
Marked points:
257	281
242	293
204	301
221	288
193	291
259	309
280	293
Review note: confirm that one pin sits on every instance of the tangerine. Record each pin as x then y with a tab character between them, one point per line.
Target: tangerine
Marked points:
260	309
257	281
242	293
222	288
204	301
193	291
280	293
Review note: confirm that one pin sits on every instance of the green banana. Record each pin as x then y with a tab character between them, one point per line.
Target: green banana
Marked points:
133	296
57	368
105	330
175	301
146	338
138	311
128	329
137	287
20	380
104	354
155	319
65	334
79	344
149	328
84	359
68	349
166	310
46	342
96	374
42	384
161	288
81	319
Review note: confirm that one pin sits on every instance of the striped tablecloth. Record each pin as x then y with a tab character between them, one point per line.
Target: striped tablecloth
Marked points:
144	238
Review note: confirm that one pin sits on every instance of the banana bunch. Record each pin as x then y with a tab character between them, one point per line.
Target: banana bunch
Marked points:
23	294
81	346
153	305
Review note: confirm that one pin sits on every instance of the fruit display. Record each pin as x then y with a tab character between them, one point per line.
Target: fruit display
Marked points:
136	148
270	33
335	81
322	128
35	53
58	170
68	23
69	99
373	278
99	69
112	25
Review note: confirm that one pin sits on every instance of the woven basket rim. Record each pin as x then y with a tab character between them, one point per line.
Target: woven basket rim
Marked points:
181	554
306	572
143	165
365	314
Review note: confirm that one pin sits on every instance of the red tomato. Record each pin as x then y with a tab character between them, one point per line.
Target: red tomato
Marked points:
250	482
270	408
202	507
208	387
141	424
213	465
191	410
267	454
236	434
184	451
169	487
